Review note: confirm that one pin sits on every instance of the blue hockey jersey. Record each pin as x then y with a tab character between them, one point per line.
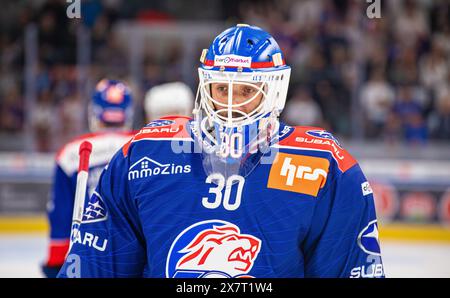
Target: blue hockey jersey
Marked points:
155	213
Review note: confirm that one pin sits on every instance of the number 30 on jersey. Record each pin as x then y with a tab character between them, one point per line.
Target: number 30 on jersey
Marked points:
218	197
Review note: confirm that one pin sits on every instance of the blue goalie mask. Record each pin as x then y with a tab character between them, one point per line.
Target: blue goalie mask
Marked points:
242	90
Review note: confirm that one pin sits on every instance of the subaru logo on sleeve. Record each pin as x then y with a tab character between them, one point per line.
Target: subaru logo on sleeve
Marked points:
95	209
160	123
368	239
323	134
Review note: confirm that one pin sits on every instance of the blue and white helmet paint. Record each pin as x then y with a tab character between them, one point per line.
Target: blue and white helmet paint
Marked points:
232	139
111	104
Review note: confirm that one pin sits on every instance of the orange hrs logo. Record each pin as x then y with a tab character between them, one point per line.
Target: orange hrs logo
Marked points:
298	173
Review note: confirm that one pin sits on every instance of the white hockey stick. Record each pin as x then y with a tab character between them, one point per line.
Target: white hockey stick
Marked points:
80	192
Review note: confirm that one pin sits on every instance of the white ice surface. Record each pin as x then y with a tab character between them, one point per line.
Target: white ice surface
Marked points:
21	256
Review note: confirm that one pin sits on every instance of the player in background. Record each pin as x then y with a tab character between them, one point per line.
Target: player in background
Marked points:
174	98
233	192
110	121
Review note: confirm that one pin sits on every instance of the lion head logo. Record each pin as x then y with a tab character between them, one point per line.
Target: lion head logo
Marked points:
213	249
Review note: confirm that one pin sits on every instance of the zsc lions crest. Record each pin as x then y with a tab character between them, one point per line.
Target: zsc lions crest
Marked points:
212	248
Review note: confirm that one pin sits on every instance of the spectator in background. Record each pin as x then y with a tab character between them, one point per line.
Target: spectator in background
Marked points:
371	49
443	37
56	41
410	114
42	78
44	122
64	82
434	66
173	63
306	14
327	84
256	12
404	66
335	112
442	111
415	130
392	132
376	100
411	25
100	32
11	110
11	52
91	10
71	116
152	73
112	57
302	110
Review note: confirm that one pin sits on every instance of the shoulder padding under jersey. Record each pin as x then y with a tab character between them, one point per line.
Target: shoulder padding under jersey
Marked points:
167	128
104	145
317	139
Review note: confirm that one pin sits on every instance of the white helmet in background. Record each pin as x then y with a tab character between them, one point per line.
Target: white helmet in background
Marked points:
168	99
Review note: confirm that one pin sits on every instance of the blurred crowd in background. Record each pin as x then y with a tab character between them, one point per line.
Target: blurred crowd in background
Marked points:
392	72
